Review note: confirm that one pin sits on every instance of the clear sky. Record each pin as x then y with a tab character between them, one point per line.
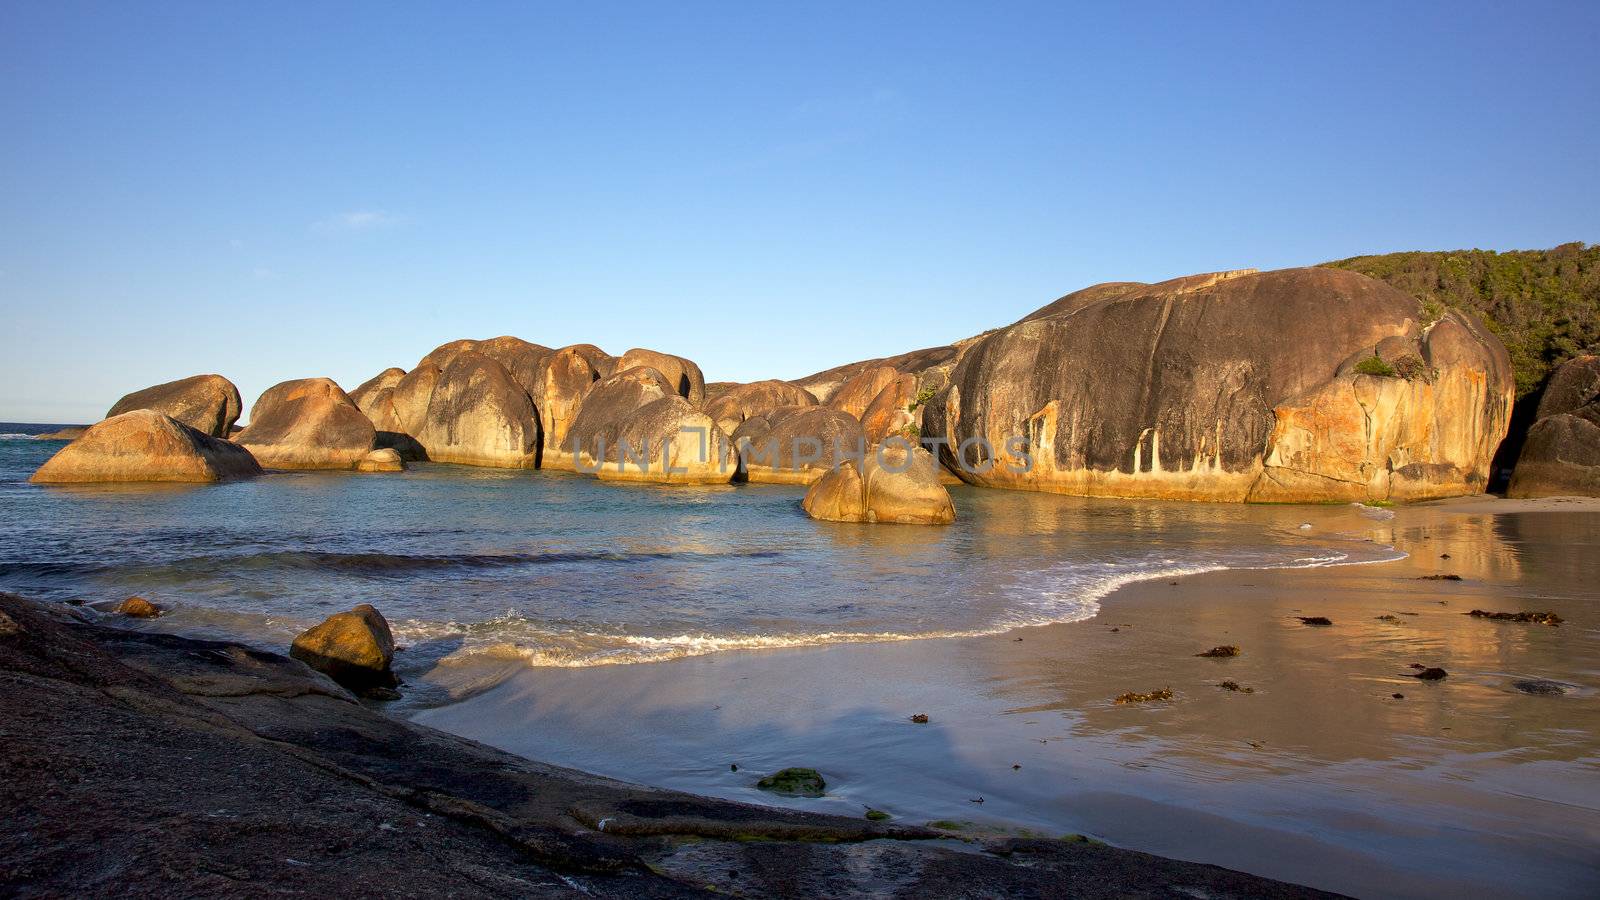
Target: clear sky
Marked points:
281	190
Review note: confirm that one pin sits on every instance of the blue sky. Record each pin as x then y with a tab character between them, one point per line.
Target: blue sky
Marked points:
282	190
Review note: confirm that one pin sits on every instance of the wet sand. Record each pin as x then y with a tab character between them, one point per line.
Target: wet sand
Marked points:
1318	776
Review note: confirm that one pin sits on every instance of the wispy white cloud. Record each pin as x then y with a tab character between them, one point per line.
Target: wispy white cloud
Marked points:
358	220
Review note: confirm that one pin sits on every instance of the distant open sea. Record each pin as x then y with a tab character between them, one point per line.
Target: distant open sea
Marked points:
559	569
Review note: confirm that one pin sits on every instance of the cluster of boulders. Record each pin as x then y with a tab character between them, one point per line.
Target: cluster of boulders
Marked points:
1288	386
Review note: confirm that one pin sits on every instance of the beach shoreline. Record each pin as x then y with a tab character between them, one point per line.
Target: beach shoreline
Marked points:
1312	773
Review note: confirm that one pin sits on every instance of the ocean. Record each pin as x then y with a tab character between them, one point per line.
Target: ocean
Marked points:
556	569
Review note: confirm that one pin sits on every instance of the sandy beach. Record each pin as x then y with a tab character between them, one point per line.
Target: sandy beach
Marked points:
1313	772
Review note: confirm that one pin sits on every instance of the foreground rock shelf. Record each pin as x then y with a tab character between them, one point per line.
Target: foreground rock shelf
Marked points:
145	763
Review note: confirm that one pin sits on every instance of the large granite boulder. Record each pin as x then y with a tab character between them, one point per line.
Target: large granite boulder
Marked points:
668	441
894	483
479	415
682	374
206	403
1561	456
523	360
894	410
857	393
397	404
823	385
375	395
1291	386
735	403
568	375
354	648
308	423
797	444
144	445
609	402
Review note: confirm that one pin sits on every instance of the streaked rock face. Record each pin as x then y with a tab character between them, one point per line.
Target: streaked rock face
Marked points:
479	415
895	483
144	445
374	396
605	407
1562	453
308	423
739	402
797	444
682	374
207	403
668	441
568	375
1228	387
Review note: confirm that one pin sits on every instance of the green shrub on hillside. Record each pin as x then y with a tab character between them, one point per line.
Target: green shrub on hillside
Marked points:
1372	365
1544	304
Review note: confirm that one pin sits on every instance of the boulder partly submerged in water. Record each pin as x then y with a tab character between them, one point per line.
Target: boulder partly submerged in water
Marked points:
797	445
894	483
593	433
309	423
383	459
145	445
668	441
354	648
479	415
1562	454
207	403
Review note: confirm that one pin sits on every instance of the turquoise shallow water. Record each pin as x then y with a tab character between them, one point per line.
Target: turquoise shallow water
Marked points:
559	569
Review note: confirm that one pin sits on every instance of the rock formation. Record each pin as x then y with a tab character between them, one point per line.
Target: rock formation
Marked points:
308	423
70	433
893	411
1562	453
857	393
682	374
797	445
383	459
824	384
207	403
607	404
568	375
479	415
1296	385
354	648
895	483
668	441
374	396
145	445
735	403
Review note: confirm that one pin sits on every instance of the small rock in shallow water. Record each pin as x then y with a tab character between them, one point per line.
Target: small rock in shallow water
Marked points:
1540	686
1235	686
796	782
1314	620
1226	650
1398	696
920	718
354	648
877	815
138	608
1450	577
1390	619
1429	673
1540	618
1136	697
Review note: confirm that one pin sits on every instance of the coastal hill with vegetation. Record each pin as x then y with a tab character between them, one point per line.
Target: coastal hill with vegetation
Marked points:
1543	304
